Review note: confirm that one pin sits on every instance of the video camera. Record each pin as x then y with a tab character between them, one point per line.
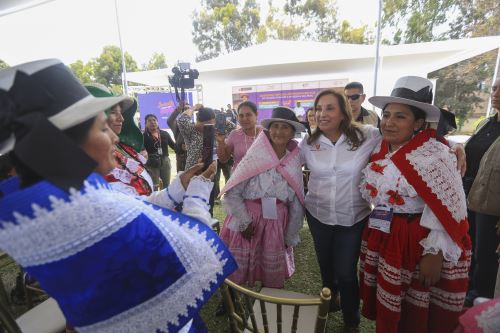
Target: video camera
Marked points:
183	78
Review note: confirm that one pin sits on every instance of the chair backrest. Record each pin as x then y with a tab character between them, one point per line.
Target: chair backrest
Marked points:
7	321
46	317
243	306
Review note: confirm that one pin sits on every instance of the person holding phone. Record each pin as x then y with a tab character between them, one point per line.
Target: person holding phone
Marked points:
264	203
239	141
193	132
113	262
193	137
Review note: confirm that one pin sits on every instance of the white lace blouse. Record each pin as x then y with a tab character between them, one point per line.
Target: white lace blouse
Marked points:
266	184
381	180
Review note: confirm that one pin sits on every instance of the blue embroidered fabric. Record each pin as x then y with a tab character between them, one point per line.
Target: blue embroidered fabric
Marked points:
149	273
129	260
9	185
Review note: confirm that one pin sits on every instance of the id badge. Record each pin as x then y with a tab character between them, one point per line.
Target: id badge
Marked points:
381	218
160	151
269	210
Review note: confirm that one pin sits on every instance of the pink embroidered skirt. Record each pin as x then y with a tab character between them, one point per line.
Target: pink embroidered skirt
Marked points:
264	258
389	286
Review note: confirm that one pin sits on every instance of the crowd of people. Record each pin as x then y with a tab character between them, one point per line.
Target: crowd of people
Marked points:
84	213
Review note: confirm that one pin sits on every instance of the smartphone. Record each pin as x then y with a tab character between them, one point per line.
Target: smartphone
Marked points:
208	145
220	123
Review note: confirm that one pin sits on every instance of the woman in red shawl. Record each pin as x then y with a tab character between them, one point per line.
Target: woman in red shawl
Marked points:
415	252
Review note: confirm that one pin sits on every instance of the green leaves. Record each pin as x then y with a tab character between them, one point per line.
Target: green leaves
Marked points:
157	61
221	27
3	64
225	26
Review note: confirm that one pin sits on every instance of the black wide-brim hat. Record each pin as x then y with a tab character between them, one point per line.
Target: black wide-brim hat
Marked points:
66	102
411	90
38	101
285	115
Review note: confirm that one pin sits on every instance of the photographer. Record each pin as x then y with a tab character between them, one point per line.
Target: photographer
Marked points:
181	153
157	142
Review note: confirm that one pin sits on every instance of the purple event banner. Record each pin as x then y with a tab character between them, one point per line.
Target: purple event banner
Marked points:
161	104
267	100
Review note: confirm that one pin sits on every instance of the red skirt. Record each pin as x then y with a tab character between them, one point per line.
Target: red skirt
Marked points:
389	286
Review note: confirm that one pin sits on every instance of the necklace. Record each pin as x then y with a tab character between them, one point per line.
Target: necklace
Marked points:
253	138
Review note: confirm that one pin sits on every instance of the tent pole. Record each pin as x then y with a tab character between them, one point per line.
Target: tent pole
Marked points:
377	49
495	76
124	68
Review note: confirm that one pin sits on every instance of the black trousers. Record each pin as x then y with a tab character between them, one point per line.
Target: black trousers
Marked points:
337	249
487	240
226	170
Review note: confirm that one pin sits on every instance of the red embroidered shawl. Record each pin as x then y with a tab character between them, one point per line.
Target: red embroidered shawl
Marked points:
428	166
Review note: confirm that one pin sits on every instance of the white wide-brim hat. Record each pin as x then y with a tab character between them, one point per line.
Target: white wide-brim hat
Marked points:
66	102
411	90
284	115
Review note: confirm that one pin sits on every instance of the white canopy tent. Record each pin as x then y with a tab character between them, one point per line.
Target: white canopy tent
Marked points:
279	61
12	6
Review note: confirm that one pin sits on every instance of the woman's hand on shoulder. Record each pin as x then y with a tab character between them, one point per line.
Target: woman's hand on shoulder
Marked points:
459	151
430	269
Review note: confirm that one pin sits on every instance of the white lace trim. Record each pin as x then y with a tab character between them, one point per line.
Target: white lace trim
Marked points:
423	159
489	319
266	184
440	241
68	227
202	261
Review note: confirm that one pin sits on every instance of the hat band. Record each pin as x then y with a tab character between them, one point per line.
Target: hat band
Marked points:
424	95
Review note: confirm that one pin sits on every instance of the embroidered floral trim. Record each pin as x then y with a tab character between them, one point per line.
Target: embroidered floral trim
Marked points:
377	167
395	198
373	191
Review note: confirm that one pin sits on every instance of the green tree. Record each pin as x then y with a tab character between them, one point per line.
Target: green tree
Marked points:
157	61
280	27
316	18
224	26
108	66
3	64
460	87
353	35
83	71
475	19
414	21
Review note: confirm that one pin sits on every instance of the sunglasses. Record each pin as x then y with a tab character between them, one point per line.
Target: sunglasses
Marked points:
354	97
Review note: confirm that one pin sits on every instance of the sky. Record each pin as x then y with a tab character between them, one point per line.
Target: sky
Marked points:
78	29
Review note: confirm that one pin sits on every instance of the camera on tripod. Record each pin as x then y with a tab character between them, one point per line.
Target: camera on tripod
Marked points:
183	77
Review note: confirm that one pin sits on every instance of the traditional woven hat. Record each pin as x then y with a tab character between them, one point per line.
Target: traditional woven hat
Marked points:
411	90
286	115
130	135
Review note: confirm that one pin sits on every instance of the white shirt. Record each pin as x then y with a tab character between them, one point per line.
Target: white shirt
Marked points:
299	111
333	195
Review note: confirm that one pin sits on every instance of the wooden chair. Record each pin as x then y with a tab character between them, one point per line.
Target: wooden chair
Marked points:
46	317
284	308
32	289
